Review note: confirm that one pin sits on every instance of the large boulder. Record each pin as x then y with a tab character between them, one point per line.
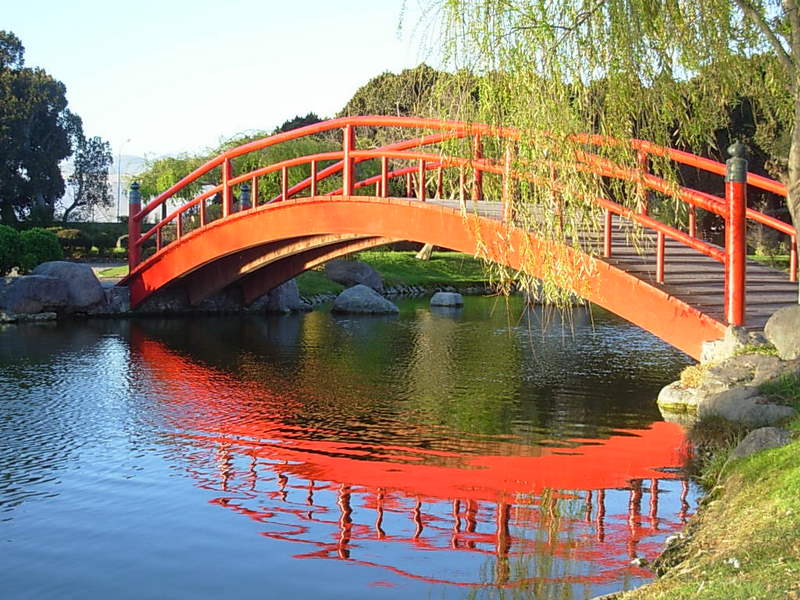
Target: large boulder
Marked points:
783	330
33	294
447	299
745	405
760	439
353	272
282	299
83	287
363	299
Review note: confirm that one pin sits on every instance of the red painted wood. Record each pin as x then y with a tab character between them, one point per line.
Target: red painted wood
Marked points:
633	299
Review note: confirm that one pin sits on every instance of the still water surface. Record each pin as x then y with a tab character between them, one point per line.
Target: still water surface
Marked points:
448	454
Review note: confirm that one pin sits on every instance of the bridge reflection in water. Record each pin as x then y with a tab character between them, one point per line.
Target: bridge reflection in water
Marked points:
474	514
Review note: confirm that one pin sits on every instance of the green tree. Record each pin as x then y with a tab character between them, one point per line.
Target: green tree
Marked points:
35	130
665	70
89	179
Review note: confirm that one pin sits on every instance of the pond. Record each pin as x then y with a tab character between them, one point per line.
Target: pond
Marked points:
485	452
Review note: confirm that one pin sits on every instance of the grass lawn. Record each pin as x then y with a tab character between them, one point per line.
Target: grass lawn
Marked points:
777	261
444	268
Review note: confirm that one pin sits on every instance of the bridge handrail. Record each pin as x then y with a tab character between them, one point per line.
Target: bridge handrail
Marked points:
344	162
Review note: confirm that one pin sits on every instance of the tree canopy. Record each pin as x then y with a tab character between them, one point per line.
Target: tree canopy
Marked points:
670	71
37	132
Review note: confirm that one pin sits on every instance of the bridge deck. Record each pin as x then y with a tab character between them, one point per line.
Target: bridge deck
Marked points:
688	275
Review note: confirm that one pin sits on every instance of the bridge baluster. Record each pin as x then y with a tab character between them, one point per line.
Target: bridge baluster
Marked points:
348	167
409	185
660	256
284	183
421	179
793	259
692	221
313	178
134	225
384	193
439	182
640	187
477	174
735	228
226	188
254	196
607	222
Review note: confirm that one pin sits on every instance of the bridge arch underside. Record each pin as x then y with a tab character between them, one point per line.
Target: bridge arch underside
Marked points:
260	249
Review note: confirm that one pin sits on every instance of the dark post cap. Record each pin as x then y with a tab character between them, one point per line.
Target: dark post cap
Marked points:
737	150
245	187
135	185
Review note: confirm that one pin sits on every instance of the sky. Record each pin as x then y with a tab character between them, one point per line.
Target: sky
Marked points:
171	76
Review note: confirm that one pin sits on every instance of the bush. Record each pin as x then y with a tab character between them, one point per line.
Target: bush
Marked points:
38	246
10	249
104	241
72	238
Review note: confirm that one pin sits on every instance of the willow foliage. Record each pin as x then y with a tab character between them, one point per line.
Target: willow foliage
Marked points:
662	70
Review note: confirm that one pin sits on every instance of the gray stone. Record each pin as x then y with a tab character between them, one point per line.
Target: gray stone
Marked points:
83	287
33	294
676	398
283	299
118	299
744	405
447	299
164	302
353	272
363	299
227	300
761	439
734	339
783	331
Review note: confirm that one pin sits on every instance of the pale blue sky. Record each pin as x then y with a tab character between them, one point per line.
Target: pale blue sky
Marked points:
178	75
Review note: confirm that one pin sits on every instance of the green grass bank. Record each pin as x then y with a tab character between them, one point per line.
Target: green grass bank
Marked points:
443	268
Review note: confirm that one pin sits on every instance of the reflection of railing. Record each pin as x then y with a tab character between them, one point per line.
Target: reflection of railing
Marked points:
336	497
338	520
732	208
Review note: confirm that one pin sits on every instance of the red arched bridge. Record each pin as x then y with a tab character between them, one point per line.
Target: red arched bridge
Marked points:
665	279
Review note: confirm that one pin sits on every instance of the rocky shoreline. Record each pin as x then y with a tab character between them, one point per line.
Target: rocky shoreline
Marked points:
61	289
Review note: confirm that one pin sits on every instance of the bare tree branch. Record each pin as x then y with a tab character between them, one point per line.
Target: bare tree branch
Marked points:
759	21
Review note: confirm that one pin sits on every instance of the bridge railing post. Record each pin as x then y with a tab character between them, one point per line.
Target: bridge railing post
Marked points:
348	164
735	229
134	226
477	174
226	188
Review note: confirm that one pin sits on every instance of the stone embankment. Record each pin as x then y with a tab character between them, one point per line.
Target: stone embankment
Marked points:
63	289
738	380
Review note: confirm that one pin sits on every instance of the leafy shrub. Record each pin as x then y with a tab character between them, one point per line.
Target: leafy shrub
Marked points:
73	238
104	241
38	246
10	249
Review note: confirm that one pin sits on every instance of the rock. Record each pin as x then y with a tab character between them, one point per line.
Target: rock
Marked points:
353	272
761	439
783	331
283	299
83	287
746	406
675	398
363	299
227	300
447	299
33	294
734	339
165	301
118	299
